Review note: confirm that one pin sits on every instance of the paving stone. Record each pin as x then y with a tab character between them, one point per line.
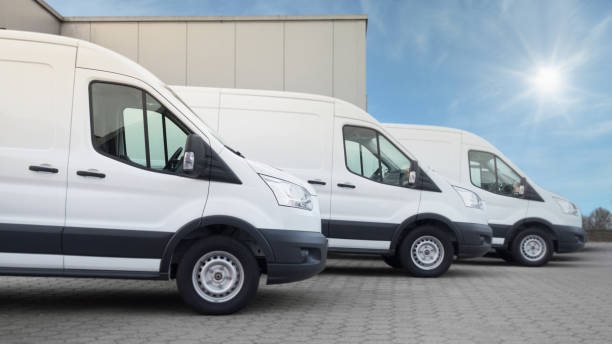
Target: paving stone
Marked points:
357	300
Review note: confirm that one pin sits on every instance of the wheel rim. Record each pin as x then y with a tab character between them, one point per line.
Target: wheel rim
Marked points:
218	276
427	252
533	247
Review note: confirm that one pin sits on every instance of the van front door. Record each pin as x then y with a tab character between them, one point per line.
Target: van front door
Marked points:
126	194
501	184
370	193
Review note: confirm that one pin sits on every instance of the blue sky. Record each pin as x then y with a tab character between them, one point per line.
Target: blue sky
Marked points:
532	77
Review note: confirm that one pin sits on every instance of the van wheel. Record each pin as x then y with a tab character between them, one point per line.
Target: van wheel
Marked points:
393	261
426	252
532	247
504	254
218	275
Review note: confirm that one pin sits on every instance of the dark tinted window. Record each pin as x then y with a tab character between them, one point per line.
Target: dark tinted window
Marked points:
370	155
130	125
489	172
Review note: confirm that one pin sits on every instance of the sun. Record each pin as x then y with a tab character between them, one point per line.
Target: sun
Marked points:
548	80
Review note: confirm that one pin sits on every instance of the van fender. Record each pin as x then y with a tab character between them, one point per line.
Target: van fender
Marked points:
200	224
516	228
413	221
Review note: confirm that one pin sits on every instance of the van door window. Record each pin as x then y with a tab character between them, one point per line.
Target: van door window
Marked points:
166	138
131	126
396	166
490	173
482	170
133	136
361	150
509	181
370	155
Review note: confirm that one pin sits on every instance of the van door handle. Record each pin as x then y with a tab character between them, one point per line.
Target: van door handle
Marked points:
350	186
91	174
317	182
43	169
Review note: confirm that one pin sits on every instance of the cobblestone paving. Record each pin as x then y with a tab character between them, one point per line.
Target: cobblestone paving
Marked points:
357	300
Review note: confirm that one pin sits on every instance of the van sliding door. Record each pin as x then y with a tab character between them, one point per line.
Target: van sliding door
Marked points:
36	102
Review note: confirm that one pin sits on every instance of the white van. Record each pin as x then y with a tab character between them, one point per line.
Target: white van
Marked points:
387	205
528	222
105	173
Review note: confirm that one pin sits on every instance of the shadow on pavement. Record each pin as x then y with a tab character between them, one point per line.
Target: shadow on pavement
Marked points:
130	302
133	302
367	272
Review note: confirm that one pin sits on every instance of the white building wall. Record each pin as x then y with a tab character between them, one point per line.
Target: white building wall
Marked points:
314	54
321	55
211	55
28	15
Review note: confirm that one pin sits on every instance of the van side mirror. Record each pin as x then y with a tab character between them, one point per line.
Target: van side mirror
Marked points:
522	186
196	157
412	176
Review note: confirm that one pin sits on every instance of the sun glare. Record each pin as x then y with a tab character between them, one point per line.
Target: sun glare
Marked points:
548	80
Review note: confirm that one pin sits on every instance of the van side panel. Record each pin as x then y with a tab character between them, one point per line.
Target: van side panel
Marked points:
440	149
300	135
35	98
204	102
35	110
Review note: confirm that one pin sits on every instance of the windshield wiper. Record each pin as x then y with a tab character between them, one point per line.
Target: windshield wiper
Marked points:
234	151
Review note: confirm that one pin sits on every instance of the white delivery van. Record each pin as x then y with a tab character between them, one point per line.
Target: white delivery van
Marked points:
374	197
528	222
105	173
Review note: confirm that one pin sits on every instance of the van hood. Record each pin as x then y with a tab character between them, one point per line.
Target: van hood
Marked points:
268	170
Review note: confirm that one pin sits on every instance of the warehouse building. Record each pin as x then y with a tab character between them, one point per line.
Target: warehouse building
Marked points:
316	54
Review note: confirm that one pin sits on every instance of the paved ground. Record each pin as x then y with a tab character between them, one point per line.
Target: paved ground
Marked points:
354	301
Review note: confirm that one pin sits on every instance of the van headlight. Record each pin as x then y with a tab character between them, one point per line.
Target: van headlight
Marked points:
566	206
470	199
288	194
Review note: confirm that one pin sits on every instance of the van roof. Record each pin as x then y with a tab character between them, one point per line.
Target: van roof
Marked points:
89	55
342	107
38	37
466	136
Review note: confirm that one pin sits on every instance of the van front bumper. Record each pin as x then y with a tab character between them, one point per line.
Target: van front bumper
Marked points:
298	255
570	238
474	239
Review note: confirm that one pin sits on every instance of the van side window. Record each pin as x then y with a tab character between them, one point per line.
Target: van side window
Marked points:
508	180
371	155
490	173
482	170
130	125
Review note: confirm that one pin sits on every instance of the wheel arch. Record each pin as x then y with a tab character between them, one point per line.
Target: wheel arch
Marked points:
209	225
531	222
415	221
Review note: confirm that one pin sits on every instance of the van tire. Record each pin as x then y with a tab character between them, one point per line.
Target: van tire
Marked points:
504	254
527	246
392	260
223	257
424	239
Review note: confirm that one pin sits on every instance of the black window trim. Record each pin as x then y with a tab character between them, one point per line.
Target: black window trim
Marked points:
165	138
495	157
127	161
145	122
376	155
